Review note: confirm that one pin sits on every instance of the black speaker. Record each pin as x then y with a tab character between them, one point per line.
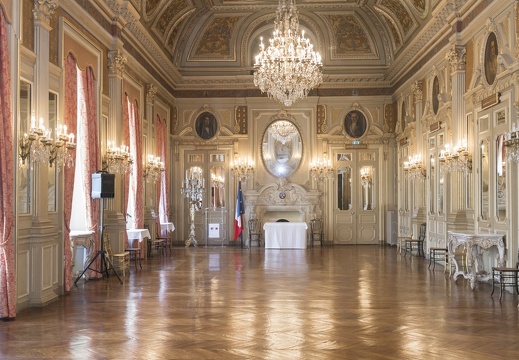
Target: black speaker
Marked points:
103	186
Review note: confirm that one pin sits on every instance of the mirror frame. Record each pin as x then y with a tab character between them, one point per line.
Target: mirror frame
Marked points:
270	167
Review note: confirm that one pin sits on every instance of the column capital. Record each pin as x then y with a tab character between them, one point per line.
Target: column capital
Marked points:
43	10
151	91
116	62
457	57
417	90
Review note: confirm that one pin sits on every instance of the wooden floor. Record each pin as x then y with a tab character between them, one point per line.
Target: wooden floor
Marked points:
351	302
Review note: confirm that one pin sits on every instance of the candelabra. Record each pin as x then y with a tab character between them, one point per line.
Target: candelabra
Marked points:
321	170
512	144
242	169
154	167
42	148
414	168
366	177
455	160
117	159
193	188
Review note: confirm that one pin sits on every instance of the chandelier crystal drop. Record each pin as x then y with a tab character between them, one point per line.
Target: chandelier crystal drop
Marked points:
289	67
283	130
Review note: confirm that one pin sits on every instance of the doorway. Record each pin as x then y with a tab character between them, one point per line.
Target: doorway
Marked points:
355	203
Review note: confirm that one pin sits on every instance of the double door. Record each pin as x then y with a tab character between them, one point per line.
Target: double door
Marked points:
356	208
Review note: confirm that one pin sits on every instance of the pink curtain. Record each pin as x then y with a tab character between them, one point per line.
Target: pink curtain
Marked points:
136	151
69	173
88	114
161	134
7	248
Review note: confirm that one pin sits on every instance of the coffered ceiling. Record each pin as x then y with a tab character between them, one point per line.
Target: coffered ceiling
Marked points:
363	43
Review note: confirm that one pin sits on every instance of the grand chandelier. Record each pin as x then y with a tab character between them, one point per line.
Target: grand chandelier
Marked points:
282	130
289	68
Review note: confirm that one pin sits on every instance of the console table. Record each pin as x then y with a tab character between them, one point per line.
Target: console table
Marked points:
283	235
474	244
86	240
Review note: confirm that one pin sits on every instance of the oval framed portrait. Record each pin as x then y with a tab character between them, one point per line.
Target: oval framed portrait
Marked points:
355	124
206	125
491	52
435	92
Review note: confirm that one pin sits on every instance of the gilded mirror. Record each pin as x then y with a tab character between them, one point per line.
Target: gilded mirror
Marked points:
484	179
281	148
501	178
24	171
344	187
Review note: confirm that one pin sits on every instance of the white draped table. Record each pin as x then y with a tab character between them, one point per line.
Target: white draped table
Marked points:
285	235
167	226
474	244
140	235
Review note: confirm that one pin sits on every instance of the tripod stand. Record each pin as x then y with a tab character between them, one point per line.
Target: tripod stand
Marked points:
105	259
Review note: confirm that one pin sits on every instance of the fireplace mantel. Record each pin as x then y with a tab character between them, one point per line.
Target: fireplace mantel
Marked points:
282	199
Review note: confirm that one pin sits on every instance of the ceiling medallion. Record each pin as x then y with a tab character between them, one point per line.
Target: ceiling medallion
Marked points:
289	68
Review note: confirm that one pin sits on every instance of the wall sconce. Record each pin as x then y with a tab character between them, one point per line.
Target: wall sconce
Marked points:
321	170
512	144
242	169
40	145
117	159
455	160
366	177
154	167
414	169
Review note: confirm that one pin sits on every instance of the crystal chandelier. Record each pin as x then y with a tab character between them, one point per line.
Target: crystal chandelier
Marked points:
289	68
42	148
512	145
457	159
117	159
282	130
414	168
321	170
154	168
242	169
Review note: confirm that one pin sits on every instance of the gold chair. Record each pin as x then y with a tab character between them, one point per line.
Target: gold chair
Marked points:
505	276
120	261
255	231
316	231
418	243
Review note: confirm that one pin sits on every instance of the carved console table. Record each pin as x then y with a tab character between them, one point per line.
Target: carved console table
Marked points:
85	239
474	244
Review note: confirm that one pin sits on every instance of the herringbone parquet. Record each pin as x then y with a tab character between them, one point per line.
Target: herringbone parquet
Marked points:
351	302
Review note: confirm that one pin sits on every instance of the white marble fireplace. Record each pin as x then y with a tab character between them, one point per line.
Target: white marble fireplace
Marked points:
282	200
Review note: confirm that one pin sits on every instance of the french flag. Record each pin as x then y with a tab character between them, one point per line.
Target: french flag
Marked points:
238	216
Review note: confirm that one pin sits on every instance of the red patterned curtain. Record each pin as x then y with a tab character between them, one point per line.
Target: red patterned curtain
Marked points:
161	135
136	151
69	173
7	248
87	110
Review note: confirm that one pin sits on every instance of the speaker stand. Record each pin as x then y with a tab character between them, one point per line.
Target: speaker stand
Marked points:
105	259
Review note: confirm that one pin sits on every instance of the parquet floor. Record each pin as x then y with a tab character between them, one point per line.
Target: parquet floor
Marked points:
352	302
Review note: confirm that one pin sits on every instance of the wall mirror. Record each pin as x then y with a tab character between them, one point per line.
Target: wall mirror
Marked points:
366	181
500	178
24	171
281	148
484	177
432	181
217	174
51	177
344	187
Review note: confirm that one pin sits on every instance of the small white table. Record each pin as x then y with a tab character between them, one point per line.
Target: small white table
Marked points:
474	244
140	235
285	235
169	226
